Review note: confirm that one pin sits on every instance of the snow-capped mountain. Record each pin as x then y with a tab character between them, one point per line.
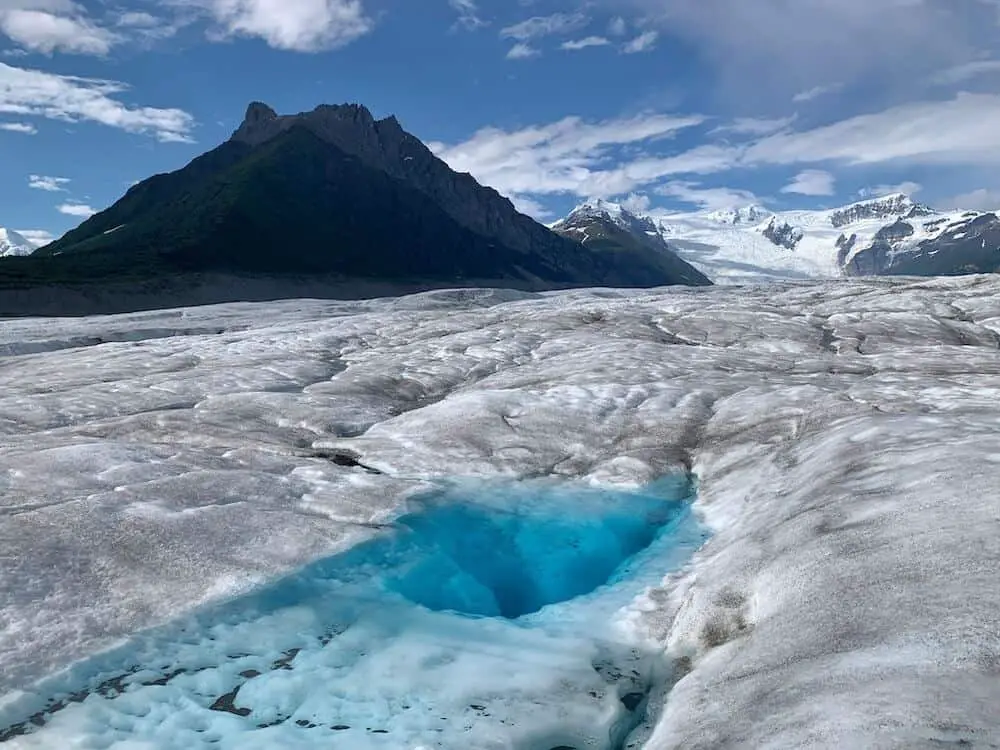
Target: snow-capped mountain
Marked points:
12	243
614	231
889	235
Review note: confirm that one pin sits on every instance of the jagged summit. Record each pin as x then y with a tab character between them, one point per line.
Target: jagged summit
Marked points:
259	112
600	209
329	121
883	207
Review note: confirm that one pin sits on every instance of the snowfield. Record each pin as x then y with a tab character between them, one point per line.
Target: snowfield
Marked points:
845	437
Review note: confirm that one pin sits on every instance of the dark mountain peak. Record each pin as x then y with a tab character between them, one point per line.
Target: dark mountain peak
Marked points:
340	124
259	112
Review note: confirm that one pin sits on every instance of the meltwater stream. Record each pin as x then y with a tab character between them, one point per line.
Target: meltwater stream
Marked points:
484	618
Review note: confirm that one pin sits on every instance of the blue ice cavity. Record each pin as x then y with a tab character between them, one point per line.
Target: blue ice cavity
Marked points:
510	552
484	617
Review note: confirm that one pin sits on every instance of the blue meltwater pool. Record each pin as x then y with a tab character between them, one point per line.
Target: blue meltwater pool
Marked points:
488	616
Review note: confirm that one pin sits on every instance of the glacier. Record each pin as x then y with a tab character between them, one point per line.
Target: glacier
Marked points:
165	475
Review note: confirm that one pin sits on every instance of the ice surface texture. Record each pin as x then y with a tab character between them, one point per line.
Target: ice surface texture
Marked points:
400	642
844	435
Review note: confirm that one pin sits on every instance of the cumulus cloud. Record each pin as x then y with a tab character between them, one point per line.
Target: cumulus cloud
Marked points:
541	26
708	198
815	92
79	210
957	131
961	73
799	45
811	182
751	126
637	203
615	157
468	14
568	156
47	32
588	41
19	127
530	207
522	51
907	187
37	237
297	25
143	26
50	184
642	43
72	99
983	199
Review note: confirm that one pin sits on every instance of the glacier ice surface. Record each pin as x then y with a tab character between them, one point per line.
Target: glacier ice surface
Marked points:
482	618
844	436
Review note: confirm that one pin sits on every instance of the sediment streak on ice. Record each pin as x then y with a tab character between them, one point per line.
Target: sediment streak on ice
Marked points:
844	434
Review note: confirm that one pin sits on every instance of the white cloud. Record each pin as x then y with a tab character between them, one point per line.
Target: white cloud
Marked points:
711	199
19	127
71	99
522	51
642	43
141	25
45	32
959	131
540	26
616	157
983	199
811	182
51	184
794	45
588	41
754	126
637	203
36	237
530	207
138	19
817	91
573	156
297	25
618	27
468	14
80	210
960	73
907	187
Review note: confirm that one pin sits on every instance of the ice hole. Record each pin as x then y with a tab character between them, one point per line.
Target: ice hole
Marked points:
513	551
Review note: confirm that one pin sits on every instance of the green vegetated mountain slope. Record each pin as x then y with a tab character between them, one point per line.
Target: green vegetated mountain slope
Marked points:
607	229
294	204
335	192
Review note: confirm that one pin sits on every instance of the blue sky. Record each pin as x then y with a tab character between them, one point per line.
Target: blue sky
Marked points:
671	104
